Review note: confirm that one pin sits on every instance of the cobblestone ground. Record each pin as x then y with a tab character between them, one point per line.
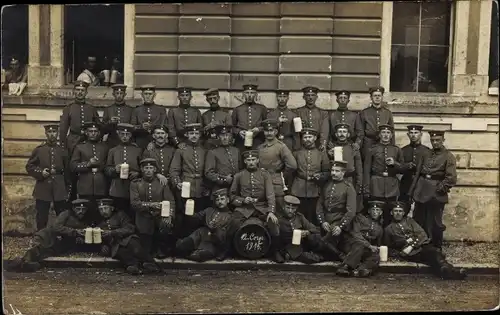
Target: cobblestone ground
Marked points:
91	291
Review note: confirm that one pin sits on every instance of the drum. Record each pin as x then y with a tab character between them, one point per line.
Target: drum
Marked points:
252	240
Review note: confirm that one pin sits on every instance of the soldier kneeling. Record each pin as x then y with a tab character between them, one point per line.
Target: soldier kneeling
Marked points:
410	240
120	242
291	222
67	234
211	239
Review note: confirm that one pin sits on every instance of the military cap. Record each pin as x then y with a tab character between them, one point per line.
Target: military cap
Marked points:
220	129
398	204
343	92
184	89
93	58
148	162
125	127
80	203
435	133
385	127
415	127
104	202
147	87
162	127
119	87
91	124
310	89
376	89
192	127
339	164
376	204
342	125
309	131
292	200
80	84
283	92
270	124
51	127
250	153
251	87
211	91
220	192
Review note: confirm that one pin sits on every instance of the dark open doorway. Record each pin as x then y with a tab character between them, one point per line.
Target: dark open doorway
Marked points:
15	40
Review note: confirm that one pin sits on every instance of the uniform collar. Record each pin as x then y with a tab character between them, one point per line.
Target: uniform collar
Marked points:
184	106
149	180
310	106
282	108
120	104
160	147
214	108
415	145
270	144
342	109
377	108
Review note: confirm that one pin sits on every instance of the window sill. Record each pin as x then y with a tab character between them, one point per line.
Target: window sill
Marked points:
493	91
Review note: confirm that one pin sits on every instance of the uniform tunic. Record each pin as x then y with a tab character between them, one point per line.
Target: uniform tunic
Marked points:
178	117
366	231
276	158
91	179
124	114
214	229
287	132
163	156
214	116
219	162
52	188
316	118
337	204
286	227
368	121
354	169
256	184
142	193
72	119
411	154
380	180
345	116
131	154
187	166
396	235
121	231
247	117
309	163
154	114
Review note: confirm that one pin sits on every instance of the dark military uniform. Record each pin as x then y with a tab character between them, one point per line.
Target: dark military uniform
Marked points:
345	116
128	153
162	154
179	117
407	232
153	113
315	118
92	183
309	163
411	155
278	160
287	133
124	114
436	174
214	116
53	188
145	198
221	162
247	117
211	237
380	180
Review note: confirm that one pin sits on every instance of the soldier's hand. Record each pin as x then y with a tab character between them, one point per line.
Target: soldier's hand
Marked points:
118	168
389	161
79	240
412	166
94	161
248	200
409	241
45	173
229	178
105	234
355	146
326	226
336	231
115	119
150	146
179	186
133	175
271	216
167	221
255	130
146	125
163	179
80	233
181	146
304	233
374	249
317	176
282	119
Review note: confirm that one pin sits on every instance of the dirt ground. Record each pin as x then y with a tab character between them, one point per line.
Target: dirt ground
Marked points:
87	291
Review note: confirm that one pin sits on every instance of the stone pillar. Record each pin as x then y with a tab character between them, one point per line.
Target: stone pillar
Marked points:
129	48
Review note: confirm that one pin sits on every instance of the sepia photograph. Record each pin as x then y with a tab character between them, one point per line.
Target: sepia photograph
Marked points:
250	157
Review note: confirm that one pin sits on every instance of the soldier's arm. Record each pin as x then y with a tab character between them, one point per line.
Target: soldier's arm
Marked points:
399	163
234	191
358	169
135	200
199	119
360	128
325	166
450	177
380	237
367	167
64	124
320	211
227	120
126	227
169	196
351	207
269	188
172	132
33	166
163	115
95	114
234	118
60	225
176	167
66	166
391	123
76	164
387	237
288	158
420	234
308	225
210	169
110	170
418	171
324	129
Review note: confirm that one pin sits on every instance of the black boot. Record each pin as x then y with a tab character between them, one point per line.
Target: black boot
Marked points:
184	246
200	255
150	267
331	250
343	271
133	270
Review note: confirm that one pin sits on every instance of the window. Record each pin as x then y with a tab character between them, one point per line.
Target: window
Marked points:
493	70
420	48
94	31
15	34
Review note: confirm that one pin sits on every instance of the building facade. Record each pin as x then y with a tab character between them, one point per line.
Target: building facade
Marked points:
433	58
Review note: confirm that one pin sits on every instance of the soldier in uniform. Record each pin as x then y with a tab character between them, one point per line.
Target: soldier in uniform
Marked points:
314	117
49	165
411	242
120	242
125	152
370	118
412	153
187	166
67	234
345	116
146	116
179	117
117	113
362	243
248	117
161	151
436	174
285	117
336	206
88	162
289	220
210	239
277	159
223	162
146	196
252	195
313	169
214	116
382	163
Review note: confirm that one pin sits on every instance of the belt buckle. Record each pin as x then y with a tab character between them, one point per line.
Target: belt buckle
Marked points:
385	174
428	176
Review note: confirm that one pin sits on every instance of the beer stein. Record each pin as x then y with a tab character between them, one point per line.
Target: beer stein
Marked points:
186	190
297	124
248	139
189	207
88	235
337	153
97	235
297	236
383	252
124	171
165	208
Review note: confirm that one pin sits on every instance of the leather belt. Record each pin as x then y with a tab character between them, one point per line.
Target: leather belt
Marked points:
433	177
383	174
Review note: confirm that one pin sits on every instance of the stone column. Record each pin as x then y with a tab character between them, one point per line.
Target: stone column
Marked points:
129	48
